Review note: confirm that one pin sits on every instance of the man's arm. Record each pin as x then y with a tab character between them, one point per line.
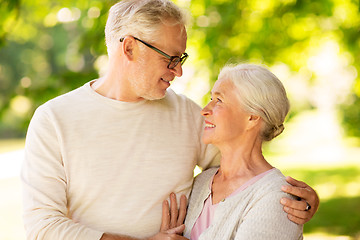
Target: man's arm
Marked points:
300	211
45	185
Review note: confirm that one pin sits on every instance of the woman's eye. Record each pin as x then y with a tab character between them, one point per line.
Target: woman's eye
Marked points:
217	100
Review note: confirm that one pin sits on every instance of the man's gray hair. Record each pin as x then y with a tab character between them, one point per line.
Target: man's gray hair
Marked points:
260	93
140	18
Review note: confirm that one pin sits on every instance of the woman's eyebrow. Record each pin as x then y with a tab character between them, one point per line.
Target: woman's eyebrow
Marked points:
217	94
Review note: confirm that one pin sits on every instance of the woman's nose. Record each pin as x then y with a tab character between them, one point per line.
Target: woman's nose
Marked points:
206	110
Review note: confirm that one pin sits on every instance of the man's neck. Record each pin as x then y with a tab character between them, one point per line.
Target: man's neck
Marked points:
114	89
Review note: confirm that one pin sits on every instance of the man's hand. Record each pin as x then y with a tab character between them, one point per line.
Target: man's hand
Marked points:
300	211
172	222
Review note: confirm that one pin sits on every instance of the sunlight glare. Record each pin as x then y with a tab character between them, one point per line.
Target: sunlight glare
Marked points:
68	15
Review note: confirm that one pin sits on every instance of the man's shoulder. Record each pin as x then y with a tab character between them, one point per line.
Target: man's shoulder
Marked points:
62	103
171	94
181	99
67	98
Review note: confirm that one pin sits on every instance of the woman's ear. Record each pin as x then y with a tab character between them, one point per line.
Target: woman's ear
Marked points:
253	121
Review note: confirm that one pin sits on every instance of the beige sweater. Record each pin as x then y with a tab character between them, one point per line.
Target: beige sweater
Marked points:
253	214
94	165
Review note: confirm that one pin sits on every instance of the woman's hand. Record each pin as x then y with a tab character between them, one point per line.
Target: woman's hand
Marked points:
173	216
302	210
172	222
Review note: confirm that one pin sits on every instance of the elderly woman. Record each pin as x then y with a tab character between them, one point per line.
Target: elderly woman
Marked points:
241	198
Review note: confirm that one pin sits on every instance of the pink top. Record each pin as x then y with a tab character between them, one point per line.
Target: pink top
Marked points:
207	214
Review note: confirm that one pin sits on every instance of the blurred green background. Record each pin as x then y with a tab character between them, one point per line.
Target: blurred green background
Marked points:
51	47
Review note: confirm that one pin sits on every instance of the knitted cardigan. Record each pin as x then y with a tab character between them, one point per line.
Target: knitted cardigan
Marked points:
254	213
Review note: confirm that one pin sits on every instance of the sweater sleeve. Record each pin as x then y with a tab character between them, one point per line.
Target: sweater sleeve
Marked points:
267	220
45	184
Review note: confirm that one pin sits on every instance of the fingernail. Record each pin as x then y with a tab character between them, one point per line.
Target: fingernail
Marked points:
286	209
284	188
283	201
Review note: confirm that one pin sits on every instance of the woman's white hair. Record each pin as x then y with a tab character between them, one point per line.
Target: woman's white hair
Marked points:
140	18
260	93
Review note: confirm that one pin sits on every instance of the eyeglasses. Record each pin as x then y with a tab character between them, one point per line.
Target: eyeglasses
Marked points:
173	60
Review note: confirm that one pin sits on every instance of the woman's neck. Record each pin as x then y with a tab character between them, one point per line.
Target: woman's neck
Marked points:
238	165
245	159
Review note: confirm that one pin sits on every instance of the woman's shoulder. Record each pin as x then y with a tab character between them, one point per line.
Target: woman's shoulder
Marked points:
276	176
270	185
273	179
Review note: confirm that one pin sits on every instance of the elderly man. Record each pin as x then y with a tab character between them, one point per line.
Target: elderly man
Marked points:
100	160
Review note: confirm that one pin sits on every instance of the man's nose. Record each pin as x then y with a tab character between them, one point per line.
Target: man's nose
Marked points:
177	70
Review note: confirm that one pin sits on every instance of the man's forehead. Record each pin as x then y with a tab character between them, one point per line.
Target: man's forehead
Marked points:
173	38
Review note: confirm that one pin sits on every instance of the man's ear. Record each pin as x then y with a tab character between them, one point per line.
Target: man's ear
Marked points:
129	48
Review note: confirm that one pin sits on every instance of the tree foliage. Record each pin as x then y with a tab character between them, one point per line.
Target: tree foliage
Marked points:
50	47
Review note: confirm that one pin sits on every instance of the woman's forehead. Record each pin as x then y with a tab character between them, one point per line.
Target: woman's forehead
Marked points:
222	87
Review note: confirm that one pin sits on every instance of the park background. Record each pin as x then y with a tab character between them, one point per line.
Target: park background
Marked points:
48	48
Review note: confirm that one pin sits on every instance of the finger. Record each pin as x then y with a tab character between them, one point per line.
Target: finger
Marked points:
297	209
176	230
173	210
295	182
297	213
165	219
182	210
313	202
178	237
305	191
294	204
296	219
301	192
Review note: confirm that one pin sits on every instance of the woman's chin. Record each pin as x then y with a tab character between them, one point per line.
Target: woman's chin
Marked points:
206	140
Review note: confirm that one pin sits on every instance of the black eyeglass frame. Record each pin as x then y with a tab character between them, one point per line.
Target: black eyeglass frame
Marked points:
175	60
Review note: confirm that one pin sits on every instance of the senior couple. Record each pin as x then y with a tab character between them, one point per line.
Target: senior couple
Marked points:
101	160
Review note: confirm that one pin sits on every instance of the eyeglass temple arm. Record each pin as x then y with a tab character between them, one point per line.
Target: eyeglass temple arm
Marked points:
152	47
